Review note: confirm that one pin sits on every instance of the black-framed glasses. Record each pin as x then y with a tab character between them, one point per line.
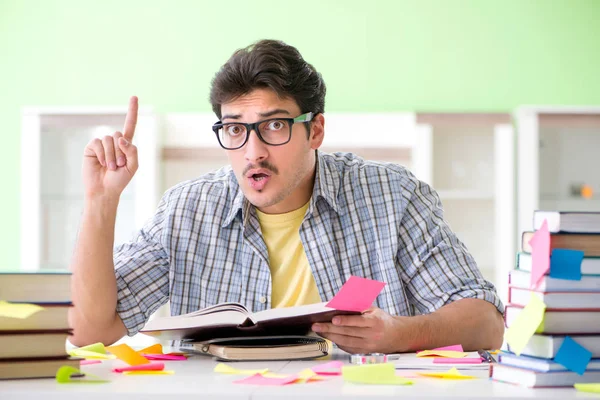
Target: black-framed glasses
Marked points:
273	131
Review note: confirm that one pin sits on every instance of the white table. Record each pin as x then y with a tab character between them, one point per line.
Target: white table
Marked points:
195	379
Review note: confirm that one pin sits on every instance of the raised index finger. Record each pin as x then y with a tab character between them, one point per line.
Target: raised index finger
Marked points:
131	119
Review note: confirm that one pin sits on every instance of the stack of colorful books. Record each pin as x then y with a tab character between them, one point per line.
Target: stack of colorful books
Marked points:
553	315
34	324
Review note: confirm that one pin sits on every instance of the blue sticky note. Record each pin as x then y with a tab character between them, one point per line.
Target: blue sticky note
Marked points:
573	356
566	264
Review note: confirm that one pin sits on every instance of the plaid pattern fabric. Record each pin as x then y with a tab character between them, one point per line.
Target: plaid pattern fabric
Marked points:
376	220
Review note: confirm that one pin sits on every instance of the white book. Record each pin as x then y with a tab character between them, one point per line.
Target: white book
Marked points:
540	364
555	300
588	283
529	378
561	322
568	221
589	265
546	346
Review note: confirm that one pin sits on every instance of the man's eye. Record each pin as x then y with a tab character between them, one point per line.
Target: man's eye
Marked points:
275	125
234	130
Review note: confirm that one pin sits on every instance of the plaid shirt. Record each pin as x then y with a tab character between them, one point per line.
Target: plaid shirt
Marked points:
376	220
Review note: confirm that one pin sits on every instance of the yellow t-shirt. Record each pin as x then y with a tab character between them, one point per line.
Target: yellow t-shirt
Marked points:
293	283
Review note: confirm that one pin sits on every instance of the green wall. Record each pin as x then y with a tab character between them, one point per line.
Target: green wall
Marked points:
377	55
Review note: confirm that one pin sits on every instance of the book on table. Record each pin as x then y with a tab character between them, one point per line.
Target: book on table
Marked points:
531	378
53	316
568	221
522	279
546	346
588	243
555	300
229	320
35	367
539	364
561	321
589	265
33	344
35	287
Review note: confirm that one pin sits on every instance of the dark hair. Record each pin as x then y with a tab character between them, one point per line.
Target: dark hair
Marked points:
269	64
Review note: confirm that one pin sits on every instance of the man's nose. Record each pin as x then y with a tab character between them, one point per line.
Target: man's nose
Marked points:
255	149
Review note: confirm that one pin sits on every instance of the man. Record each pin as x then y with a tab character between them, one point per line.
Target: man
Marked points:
284	225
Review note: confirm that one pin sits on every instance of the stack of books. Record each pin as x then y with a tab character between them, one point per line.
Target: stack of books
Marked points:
35	347
572	305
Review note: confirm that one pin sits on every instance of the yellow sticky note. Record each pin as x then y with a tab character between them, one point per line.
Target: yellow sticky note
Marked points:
226	369
588	387
148	372
127	354
442	353
18	310
154	349
90	355
64	374
307	375
525	325
373	374
450	374
95	348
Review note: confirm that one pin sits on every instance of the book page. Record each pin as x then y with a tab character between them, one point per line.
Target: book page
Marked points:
286	312
217	308
217	318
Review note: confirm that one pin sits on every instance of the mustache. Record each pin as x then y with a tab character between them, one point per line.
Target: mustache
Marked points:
262	164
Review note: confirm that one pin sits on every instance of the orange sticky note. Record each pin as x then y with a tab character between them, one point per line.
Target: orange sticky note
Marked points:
154	349
127	354
450	374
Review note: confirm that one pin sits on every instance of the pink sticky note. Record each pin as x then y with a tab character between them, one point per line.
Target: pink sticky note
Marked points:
540	254
466	360
258	379
88	362
330	368
454	347
357	294
158	366
165	357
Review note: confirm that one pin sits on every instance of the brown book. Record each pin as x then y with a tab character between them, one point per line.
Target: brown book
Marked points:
261	348
35	367
33	344
588	243
52	317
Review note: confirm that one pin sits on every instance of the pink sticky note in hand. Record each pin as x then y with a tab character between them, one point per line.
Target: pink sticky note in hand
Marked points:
357	294
158	366
466	360
540	254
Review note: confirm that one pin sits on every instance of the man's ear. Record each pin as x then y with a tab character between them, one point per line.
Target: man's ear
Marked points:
317	131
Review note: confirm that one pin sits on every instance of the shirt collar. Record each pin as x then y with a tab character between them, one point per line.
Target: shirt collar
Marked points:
327	185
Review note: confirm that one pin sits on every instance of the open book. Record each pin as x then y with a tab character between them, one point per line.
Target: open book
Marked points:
234	320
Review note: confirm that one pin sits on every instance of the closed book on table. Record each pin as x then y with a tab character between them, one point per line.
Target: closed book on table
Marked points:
52	317
561	321
522	279
568	221
36	287
530	378
540	364
35	367
556	300
33	344
261	348
546	346
589	265
588	243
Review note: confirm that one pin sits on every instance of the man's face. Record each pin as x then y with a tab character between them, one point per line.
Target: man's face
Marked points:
275	179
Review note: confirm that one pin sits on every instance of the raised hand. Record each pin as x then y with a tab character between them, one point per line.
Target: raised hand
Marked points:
110	163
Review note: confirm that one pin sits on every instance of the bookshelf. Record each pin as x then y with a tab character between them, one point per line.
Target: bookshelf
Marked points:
557	153
472	169
52	143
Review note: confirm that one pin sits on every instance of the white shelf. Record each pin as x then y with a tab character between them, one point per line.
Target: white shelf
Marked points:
451	194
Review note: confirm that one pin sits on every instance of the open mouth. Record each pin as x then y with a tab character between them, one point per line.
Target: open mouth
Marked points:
258	177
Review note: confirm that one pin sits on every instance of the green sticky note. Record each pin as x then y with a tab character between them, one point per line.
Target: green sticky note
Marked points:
374	374
95	348
64	374
588	387
18	310
525	325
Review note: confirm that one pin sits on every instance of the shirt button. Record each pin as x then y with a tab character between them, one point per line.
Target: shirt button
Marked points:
263	299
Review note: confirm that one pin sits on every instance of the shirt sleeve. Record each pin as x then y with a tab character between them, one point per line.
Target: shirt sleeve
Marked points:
437	268
142	273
